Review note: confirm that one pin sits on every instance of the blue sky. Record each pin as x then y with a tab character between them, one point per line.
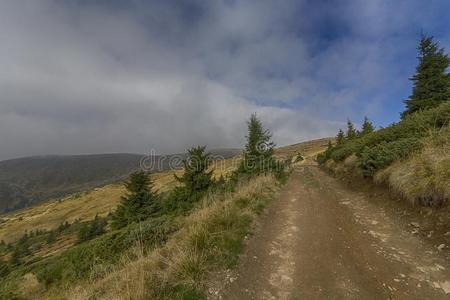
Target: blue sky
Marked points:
130	76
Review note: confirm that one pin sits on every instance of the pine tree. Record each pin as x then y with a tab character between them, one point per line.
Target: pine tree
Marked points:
196	177
21	249
258	154
340	137
367	127
351	131
196	180
140	202
431	83
51	238
92	229
329	146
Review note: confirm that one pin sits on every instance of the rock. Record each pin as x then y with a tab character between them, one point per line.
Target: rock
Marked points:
447	233
441	247
445	286
415	224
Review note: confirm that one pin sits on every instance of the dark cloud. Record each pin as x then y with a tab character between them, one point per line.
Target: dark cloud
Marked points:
127	76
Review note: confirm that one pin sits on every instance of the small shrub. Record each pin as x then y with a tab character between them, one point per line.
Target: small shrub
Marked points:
77	262
51	237
382	155
4	268
51	273
92	229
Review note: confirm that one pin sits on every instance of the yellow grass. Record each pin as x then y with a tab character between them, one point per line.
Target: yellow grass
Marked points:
86	205
425	176
309	148
50	214
182	260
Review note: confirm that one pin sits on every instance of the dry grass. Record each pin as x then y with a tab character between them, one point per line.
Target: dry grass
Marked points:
309	148
208	241
50	214
425	176
84	206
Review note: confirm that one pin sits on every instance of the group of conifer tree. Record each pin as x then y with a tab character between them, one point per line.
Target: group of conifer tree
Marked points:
431	86
142	201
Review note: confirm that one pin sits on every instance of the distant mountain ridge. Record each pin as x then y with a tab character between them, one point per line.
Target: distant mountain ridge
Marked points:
29	180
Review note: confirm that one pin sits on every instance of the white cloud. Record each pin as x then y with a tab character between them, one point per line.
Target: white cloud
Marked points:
95	78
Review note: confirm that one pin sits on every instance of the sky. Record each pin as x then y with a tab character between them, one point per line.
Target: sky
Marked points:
105	76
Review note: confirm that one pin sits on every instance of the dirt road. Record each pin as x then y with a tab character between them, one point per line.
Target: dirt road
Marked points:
323	240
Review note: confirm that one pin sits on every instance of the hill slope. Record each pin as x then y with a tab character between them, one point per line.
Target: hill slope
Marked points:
25	181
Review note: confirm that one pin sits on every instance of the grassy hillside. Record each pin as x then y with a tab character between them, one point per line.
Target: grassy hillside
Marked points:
26	181
308	148
424	176
411	156
85	205
175	249
56	257
102	200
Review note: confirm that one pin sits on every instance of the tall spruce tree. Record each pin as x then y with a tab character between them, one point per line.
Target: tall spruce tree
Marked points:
258	154
196	180
196	177
431	82
340	137
367	127
140	202
351	131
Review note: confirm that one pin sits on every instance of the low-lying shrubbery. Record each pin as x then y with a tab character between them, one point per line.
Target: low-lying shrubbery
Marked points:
383	154
417	125
210	240
424	177
399	146
402	154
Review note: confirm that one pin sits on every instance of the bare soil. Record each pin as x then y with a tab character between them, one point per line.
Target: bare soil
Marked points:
322	239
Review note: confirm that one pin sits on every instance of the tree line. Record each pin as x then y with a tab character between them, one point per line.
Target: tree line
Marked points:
431	87
142	201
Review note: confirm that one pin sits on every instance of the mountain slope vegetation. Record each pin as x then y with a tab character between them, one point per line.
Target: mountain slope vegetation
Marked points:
411	156
196	220
26	181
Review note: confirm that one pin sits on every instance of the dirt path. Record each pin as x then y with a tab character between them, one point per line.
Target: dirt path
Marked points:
322	240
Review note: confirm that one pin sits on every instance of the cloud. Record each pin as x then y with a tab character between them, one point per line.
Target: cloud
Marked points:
127	76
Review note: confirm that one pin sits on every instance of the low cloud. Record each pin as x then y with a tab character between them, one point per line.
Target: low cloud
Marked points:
129	76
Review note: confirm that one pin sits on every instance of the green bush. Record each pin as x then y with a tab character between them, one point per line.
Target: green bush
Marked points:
383	154
4	268
92	229
343	151
52	272
77	262
413	127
